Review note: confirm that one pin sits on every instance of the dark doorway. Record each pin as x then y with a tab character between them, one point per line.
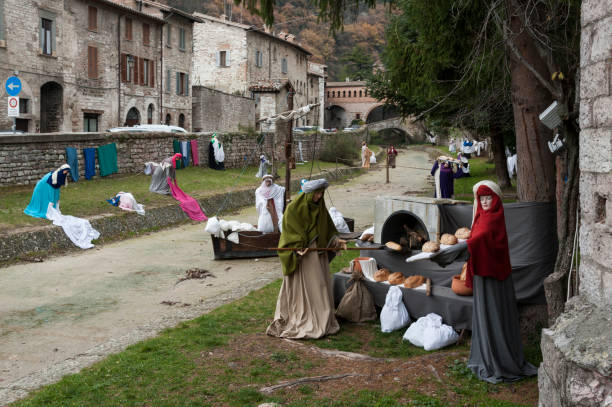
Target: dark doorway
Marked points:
133	117
181	122
168	119
150	114
51	96
22	124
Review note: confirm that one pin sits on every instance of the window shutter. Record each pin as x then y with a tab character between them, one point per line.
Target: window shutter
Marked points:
142	71
218	58
169	36
152	74
136	73
178	83
89	62
123	67
227	58
145	34
186	84
93	18
260	58
168	81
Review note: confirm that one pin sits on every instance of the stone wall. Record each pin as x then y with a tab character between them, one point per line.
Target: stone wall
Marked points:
577	365
25	159
214	110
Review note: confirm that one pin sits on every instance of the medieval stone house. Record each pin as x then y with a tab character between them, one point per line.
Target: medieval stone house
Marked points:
88	65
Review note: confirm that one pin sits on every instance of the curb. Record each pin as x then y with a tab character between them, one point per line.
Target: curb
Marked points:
33	245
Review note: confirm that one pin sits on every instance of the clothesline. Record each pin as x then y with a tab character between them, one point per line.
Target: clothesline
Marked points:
289	114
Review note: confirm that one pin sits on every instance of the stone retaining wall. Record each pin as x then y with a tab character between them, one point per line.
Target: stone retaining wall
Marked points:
24	159
52	239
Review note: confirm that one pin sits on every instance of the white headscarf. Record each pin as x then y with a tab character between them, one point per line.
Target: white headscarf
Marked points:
492	185
60	169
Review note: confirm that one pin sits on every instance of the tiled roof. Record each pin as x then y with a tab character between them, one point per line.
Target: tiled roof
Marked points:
268	85
130	10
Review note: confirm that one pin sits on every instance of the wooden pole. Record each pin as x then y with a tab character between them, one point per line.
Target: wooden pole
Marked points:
288	145
387	165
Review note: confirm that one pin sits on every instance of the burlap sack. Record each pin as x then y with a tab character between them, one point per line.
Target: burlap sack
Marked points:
357	305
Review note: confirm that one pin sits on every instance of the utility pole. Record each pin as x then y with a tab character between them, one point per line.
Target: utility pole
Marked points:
288	149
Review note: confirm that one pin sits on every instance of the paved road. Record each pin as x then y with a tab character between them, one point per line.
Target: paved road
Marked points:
61	315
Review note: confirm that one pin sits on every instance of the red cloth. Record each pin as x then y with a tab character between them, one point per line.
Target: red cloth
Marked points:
194	152
488	244
392	151
188	204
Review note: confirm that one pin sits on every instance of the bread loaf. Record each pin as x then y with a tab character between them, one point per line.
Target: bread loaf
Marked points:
394	246
414	281
396	278
381	275
431	247
366	237
463	233
448	239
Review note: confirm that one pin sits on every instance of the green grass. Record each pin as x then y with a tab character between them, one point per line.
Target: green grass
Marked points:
88	198
202	362
480	170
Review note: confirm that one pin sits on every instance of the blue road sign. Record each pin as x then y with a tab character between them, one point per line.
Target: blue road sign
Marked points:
13	86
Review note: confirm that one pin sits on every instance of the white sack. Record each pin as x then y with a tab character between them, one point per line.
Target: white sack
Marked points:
233	237
339	221
246	227
368	267
213	226
394	315
430	333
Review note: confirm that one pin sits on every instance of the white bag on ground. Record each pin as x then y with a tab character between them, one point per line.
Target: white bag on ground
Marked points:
213	226
339	221
430	333
394	315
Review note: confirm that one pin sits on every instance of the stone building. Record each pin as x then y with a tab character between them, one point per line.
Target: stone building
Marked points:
577	349
349	101
88	65
244	60
317	75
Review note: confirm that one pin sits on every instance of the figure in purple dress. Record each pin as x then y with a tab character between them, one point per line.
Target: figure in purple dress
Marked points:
445	171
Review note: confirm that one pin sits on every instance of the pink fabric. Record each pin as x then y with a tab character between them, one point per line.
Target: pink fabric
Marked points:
188	204
177	156
194	152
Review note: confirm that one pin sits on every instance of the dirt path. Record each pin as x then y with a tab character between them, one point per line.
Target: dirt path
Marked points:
61	315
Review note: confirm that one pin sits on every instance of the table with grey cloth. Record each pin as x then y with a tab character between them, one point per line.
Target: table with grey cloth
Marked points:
532	241
454	309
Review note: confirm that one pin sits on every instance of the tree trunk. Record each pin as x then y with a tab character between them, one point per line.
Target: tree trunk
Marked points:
499	157
535	166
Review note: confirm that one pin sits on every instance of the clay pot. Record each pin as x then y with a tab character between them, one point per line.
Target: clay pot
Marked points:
357	265
458	286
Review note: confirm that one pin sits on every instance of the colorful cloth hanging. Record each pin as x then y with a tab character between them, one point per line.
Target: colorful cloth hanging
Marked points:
89	154
176	147
73	162
107	159
194	153
185	151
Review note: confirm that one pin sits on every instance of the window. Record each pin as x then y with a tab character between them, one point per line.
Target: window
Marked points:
23	105
146	34
343	93
223	58
169	36
181	121
182	84
359	93
129	68
2	25
349	93
327	93
168	119
316	100
90	122
168	80
136	71
333	93
366	92
258	59
150	114
152	74
93	19
144	64
358	116
128	29
92	62
284	65
46	36
182	39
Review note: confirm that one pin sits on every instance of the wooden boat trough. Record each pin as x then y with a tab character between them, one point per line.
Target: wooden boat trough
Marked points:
253	244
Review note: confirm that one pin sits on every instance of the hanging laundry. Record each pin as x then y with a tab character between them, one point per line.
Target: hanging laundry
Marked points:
47	192
216	155
89	154
159	172
176	147
263	166
194	153
107	158
79	231
73	162
188	204
185	150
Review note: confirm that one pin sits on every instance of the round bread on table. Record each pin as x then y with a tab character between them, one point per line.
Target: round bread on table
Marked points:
394	246
396	278
463	233
366	237
431	247
448	239
414	281
381	275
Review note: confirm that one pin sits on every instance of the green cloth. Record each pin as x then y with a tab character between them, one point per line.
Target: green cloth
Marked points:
302	222
107	159
176	147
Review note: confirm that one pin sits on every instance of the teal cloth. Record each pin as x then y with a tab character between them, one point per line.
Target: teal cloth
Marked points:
73	161
107	159
176	147
41	197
